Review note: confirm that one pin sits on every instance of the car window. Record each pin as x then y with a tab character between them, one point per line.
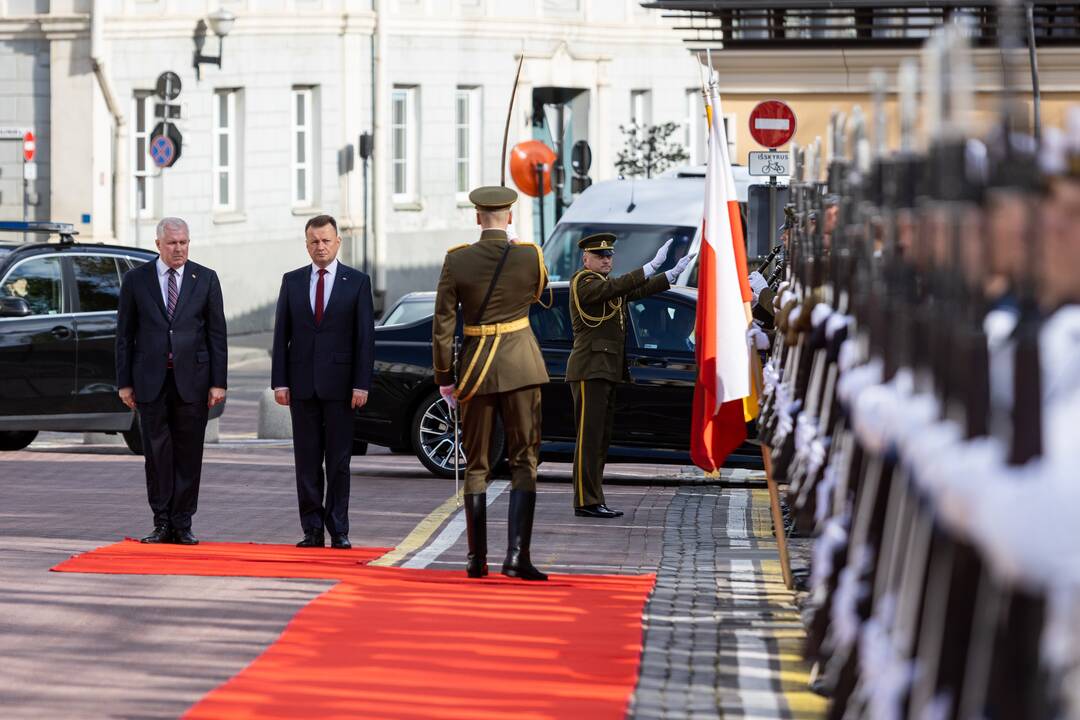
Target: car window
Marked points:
97	280
551	324
38	282
410	311
662	324
635	246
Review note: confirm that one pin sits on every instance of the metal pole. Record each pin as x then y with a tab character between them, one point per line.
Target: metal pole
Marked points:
772	208
1036	100
559	169
364	264
25	195
540	197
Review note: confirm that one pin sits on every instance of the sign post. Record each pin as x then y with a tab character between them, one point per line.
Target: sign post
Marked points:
29	171
772	124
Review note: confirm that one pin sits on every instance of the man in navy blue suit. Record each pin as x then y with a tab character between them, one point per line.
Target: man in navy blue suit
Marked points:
324	352
171	363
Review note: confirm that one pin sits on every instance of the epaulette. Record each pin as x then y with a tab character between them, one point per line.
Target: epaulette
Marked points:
458	247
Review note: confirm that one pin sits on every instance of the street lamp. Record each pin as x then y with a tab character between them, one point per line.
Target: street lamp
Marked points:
220	22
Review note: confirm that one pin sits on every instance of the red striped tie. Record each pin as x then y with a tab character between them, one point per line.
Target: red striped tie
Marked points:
319	298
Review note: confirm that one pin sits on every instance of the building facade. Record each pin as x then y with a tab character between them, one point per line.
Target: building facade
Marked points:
272	136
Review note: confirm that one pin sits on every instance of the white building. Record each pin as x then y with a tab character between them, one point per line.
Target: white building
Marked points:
267	135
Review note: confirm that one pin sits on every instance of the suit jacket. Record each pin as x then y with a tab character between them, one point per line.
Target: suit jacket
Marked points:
196	336
338	356
466	276
600	346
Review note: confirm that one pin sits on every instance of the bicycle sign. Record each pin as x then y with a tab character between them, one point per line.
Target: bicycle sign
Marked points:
770	164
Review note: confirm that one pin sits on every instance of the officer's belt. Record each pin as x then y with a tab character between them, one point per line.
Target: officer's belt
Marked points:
482	332
497	328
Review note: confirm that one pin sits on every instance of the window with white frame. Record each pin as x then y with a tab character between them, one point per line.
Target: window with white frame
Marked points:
303	146
224	151
466	140
403	136
143	113
640	107
694	137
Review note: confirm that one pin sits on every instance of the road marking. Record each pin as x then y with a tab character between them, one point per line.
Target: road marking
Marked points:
423	531
450	534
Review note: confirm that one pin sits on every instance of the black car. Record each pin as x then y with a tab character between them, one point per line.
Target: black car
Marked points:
406	413
58	335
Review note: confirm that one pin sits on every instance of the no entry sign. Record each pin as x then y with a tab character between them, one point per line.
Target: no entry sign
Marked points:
29	146
772	123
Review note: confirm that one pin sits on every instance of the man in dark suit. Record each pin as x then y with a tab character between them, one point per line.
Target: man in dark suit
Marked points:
324	352
171	363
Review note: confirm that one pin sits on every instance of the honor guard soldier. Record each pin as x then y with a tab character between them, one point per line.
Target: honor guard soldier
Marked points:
500	372
598	361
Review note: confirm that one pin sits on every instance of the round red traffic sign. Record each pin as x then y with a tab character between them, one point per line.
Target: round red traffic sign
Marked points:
772	123
29	146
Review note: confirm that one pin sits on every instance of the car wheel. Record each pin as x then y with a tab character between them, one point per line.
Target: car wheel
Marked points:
433	438
16	439
133	438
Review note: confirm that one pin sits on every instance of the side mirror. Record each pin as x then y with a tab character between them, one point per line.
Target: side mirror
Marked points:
14	307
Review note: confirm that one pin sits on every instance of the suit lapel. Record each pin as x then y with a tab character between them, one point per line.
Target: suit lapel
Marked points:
154	286
192	273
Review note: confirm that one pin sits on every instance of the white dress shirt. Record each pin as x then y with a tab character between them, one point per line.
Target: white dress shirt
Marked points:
328	283
163	280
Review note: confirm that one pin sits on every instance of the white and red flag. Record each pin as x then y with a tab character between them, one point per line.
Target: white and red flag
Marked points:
719	424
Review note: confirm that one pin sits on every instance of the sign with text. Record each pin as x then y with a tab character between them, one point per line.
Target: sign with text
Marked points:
769	163
12	133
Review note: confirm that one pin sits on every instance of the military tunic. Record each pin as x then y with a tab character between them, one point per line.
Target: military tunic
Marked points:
597	363
500	368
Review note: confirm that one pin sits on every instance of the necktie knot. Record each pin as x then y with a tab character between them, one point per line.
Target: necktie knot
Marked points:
322	271
172	272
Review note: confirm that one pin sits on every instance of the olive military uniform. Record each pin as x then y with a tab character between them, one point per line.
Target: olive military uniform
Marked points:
500	371
598	362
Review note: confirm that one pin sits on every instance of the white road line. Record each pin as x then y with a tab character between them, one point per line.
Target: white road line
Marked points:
738	507
756	695
450	534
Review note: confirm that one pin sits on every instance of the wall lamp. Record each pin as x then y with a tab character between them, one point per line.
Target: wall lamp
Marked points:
220	23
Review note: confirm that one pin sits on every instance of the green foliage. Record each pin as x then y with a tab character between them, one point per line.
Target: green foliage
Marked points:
649	149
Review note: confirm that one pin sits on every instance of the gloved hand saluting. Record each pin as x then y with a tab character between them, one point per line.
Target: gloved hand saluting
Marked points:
680	267
653	265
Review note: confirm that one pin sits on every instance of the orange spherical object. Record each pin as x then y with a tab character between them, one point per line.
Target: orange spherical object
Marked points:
524	158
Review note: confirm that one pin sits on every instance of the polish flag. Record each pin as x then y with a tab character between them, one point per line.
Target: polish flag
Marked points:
719	425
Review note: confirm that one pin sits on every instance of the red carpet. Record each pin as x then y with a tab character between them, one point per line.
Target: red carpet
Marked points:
394	643
130	557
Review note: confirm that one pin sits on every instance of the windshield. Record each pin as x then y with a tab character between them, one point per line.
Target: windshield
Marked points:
408	311
635	245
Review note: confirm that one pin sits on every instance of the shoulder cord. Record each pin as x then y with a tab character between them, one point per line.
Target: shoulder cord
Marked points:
594	321
543	282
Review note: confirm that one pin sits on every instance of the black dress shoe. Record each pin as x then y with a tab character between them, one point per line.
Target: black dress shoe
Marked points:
184	537
595	511
161	534
312	540
341	542
618	513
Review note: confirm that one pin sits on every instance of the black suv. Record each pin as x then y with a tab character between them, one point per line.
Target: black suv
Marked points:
58	335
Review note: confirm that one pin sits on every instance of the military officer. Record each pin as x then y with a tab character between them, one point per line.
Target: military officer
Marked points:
598	361
500	371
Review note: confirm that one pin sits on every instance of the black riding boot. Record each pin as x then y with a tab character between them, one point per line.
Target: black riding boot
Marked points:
517	564
476	529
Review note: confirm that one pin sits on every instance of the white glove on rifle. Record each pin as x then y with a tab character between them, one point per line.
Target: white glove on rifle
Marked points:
653	265
447	392
757	283
680	266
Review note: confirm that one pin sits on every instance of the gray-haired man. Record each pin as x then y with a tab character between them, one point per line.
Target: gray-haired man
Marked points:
171	359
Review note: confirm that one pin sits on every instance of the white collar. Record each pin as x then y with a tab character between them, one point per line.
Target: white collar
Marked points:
162	268
331	269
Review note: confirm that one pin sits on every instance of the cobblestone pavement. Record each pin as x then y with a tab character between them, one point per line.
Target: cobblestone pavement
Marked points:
722	634
96	646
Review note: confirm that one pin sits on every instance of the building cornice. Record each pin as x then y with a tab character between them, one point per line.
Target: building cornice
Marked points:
801	72
44	27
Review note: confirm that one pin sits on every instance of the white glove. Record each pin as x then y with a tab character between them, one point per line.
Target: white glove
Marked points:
447	392
757	283
756	337
653	265
680	266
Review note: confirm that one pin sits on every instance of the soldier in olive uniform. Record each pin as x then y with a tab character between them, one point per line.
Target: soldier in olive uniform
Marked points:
598	361
500	371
